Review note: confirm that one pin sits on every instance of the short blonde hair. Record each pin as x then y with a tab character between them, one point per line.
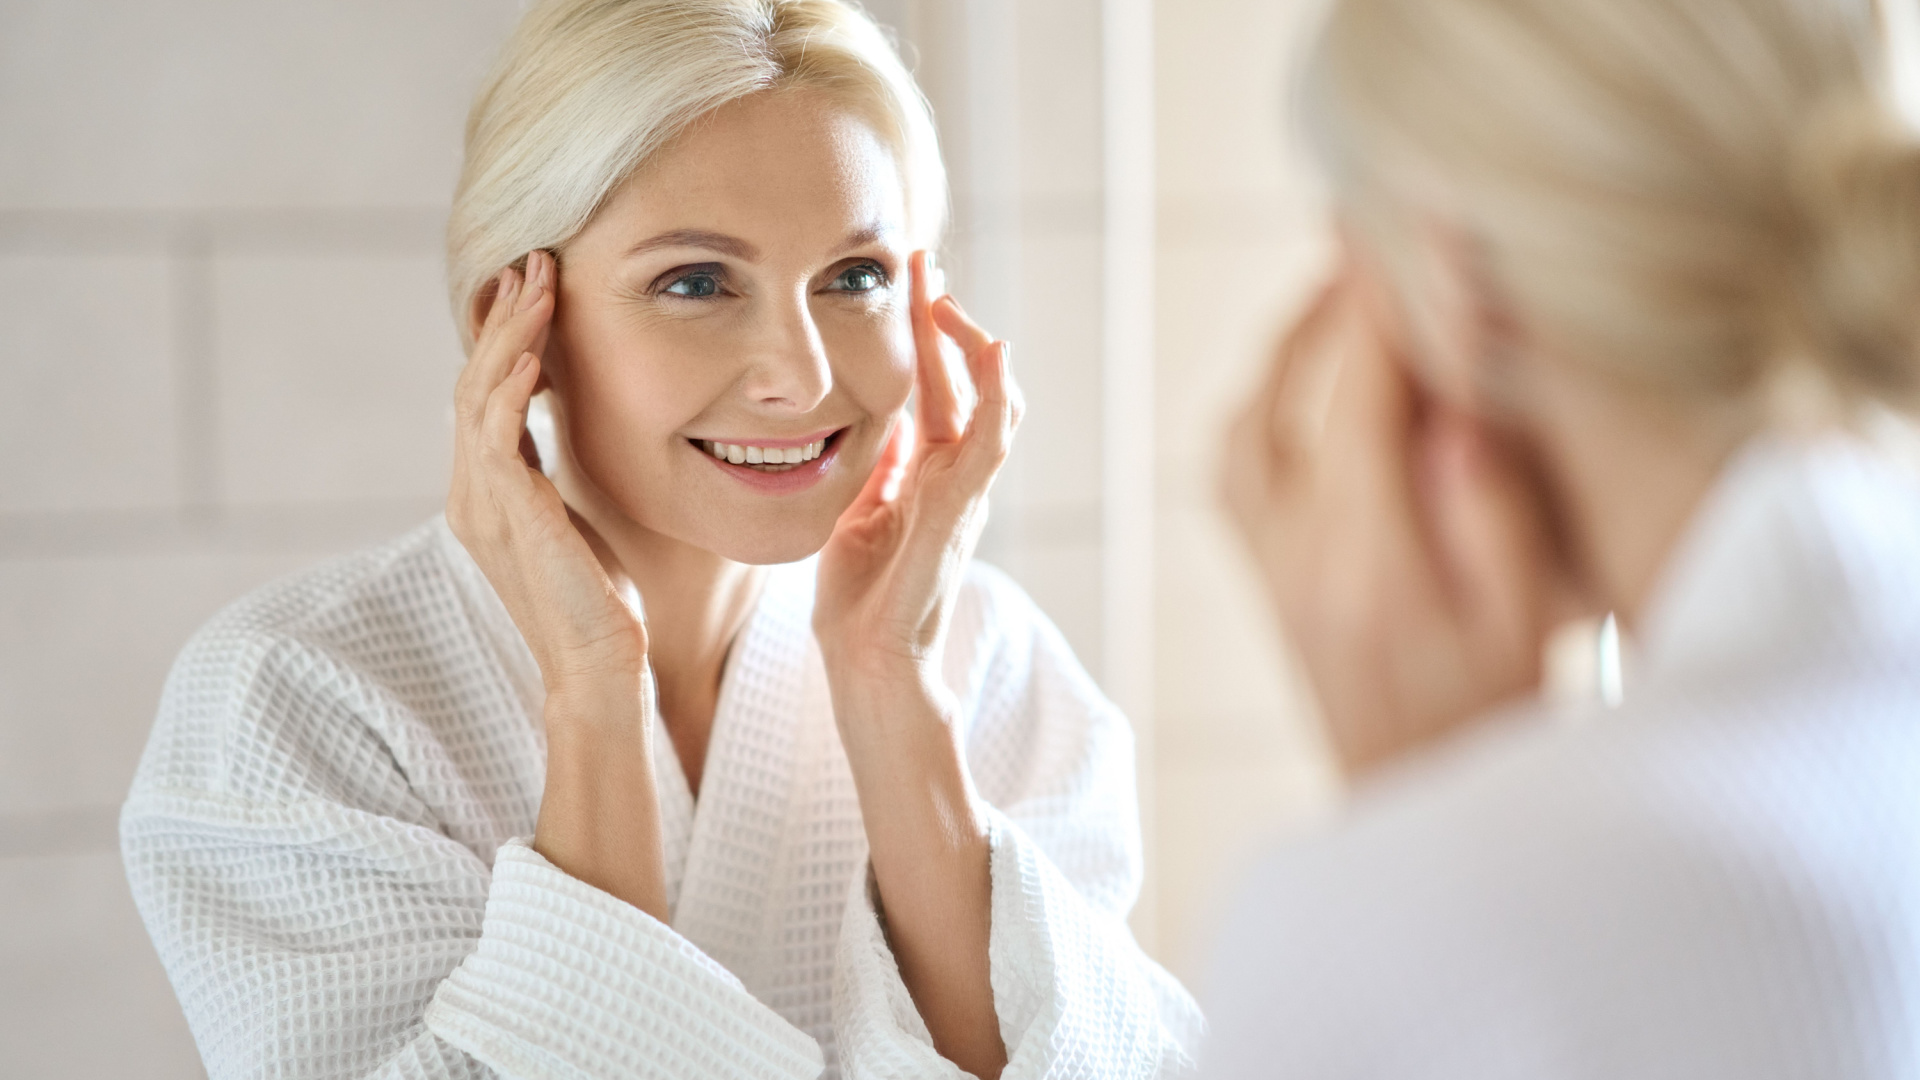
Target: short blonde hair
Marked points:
1689	194
586	90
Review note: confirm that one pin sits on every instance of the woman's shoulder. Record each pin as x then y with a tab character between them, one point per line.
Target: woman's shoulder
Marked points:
345	605
312	665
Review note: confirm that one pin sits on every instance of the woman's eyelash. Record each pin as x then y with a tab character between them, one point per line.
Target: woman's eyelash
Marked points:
700	281
883	279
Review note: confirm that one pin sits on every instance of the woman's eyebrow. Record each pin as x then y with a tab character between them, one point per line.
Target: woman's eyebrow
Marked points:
699	238
864	236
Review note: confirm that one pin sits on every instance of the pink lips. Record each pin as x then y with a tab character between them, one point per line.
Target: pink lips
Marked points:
787	481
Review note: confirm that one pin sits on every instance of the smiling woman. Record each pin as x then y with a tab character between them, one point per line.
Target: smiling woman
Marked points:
411	813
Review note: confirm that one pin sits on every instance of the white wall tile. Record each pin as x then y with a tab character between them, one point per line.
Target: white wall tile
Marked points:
222	103
1064	580
1220	86
1213	815
83	993
1239	242
1056	358
335	377
1060	107
84	647
88	418
1219	648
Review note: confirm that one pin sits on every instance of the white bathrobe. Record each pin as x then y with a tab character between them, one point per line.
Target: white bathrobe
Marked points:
328	840
1717	880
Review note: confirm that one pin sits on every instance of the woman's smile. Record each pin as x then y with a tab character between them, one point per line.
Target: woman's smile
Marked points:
774	466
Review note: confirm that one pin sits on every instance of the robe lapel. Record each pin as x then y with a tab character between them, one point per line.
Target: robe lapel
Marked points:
676	809
738	855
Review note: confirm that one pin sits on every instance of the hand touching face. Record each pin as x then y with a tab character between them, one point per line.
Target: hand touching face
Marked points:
731	341
1404	543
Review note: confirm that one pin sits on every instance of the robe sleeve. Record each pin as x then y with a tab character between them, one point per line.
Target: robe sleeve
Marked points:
310	936
1054	763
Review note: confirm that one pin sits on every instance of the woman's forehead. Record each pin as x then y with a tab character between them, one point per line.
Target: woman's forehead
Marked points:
767	172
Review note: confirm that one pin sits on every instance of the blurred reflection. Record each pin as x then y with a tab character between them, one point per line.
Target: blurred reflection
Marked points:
1620	282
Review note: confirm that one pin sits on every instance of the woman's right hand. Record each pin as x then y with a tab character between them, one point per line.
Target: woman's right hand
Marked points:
599	815
545	563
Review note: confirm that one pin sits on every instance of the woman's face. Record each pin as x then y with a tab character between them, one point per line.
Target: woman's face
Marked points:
741	301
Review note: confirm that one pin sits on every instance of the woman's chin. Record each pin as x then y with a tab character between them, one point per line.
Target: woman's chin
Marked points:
788	545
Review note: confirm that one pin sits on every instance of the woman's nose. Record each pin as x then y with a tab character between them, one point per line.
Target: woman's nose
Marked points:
790	370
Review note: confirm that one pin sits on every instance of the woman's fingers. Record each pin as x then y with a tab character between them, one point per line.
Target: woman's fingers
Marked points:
937	401
883	483
468	393
1297	393
506	413
956	324
523	305
990	431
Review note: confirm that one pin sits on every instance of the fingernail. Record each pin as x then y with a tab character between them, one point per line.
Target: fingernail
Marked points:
526	358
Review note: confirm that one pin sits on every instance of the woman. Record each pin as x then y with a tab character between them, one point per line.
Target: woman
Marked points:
1619	275
454	807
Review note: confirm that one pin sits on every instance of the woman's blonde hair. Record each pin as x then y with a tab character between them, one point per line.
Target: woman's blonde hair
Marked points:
1689	194
586	90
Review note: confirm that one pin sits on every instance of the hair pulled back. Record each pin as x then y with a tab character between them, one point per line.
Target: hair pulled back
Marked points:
1688	194
586	90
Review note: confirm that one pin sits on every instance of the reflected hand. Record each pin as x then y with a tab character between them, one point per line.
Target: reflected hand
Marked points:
545	562
1404	547
889	573
887	579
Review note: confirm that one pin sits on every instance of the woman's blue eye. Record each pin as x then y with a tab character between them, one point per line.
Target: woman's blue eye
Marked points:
695	285
863	278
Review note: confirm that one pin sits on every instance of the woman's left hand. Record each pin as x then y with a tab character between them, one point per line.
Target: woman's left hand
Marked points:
890	571
1407	548
887	580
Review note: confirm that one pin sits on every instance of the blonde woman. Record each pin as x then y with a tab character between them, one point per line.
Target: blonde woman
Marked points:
599	776
1619	277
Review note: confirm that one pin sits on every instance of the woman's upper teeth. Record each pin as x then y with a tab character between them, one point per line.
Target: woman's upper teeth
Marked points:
740	454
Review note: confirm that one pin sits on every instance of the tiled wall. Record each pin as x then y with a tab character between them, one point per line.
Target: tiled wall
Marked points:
229	355
1236	754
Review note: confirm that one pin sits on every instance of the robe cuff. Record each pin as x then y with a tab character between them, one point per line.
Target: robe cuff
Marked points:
1074	995
569	981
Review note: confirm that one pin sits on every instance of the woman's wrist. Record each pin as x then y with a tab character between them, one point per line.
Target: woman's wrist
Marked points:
882	694
611	702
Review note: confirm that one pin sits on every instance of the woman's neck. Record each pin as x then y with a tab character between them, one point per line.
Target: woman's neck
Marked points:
1631	474
696	604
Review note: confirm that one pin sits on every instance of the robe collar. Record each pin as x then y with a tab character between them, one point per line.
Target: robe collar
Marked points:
1804	552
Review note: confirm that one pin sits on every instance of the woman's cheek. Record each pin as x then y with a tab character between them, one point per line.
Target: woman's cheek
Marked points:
880	374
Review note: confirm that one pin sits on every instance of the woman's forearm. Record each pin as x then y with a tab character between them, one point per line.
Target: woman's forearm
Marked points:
600	816
930	854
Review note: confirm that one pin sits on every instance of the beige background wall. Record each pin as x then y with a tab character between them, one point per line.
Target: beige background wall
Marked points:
1238	243
228	356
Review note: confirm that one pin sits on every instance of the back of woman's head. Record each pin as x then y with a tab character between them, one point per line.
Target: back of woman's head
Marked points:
1691	195
586	90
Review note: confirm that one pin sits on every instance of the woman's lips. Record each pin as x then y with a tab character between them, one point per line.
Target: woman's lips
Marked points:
782	479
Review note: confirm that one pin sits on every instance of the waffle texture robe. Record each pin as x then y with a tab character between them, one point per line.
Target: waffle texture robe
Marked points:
1719	879
328	839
